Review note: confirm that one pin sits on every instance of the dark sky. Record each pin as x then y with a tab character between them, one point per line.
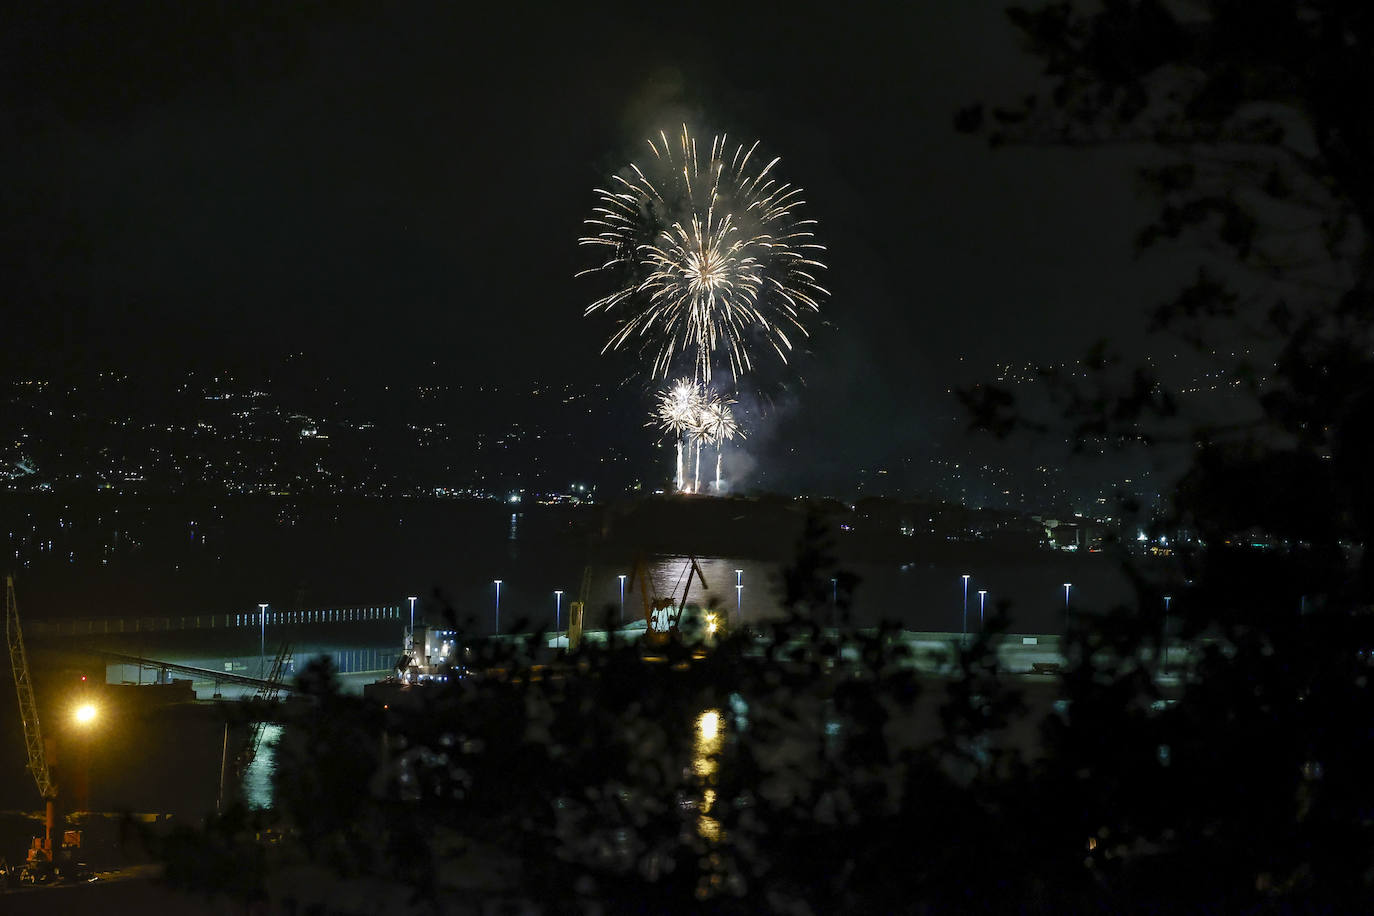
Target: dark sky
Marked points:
405	184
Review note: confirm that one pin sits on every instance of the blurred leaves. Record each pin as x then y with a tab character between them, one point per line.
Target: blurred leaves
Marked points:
807	767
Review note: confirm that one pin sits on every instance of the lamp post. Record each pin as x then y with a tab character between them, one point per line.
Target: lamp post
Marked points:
1164	632
965	578
498	605
262	641
223	759
1067	586
982	600
557	613
622	598
411	598
739	595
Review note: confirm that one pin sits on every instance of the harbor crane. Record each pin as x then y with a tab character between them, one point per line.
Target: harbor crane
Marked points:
39	762
577	610
662	615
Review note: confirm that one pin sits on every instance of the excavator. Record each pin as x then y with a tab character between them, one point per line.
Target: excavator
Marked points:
44	862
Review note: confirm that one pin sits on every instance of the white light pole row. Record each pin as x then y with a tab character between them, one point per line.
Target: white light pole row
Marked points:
982	604
262	632
558	600
983	597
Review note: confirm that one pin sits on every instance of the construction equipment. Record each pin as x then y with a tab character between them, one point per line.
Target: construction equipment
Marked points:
662	615
266	693
577	610
41	754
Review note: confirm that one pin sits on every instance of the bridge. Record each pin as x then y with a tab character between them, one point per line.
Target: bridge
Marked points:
196	672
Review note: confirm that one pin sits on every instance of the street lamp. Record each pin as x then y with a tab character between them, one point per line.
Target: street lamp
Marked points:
411	598
262	642
1164	632
622	598
498	605
1067	586
982	600
557	613
965	578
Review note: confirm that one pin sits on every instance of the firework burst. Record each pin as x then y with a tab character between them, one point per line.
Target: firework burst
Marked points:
710	259
717	424
679	412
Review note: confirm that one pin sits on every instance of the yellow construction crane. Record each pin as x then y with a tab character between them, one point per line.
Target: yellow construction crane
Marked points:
28	712
577	610
662	615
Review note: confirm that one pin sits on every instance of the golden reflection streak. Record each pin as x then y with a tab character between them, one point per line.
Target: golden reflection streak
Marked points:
706	747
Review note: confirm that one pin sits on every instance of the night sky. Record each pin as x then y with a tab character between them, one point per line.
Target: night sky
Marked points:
382	188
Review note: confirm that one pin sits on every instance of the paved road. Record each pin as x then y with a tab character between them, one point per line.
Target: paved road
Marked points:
134	889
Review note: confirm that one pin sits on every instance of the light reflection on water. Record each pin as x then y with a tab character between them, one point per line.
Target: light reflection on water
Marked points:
257	780
919	594
710	727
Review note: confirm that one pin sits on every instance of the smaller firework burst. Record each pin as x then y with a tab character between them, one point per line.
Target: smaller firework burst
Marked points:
678	412
718	425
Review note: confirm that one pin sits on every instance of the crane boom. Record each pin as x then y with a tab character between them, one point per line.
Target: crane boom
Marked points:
23	685
662	628
577	610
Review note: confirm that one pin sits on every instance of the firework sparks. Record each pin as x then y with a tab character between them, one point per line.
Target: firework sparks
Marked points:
688	408
708	260
718	425
678	412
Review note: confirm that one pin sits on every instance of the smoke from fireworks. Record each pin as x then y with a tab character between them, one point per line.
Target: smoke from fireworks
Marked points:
709	258
689	408
717	425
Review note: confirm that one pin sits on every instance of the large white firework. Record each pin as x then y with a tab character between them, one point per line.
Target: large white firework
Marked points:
711	259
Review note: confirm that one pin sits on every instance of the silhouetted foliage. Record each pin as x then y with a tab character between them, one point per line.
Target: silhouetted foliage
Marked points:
801	767
815	768
1232	780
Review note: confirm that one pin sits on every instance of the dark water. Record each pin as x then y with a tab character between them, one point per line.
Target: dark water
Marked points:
107	557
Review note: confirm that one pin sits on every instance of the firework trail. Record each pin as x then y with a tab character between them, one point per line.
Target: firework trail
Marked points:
709	258
717	424
678	410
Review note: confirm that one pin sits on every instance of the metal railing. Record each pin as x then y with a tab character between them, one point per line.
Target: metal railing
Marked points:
107	626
